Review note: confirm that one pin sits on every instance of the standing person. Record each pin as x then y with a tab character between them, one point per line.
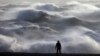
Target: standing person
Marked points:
58	47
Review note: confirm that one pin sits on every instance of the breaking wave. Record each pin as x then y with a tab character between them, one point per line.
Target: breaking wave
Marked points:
36	28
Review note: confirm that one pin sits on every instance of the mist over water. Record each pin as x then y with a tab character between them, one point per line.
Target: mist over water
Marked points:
35	28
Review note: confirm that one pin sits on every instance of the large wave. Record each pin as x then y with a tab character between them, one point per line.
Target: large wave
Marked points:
36	28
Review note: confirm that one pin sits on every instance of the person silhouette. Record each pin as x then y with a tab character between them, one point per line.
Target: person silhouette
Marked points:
58	47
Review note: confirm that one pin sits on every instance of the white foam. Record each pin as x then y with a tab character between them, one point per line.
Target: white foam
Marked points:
61	19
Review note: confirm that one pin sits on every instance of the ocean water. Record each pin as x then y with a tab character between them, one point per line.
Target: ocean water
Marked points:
36	27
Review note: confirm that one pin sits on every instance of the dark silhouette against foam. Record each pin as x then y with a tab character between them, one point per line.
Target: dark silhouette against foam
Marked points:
58	48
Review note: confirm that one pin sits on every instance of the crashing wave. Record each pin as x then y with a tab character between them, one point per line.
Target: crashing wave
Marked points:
70	23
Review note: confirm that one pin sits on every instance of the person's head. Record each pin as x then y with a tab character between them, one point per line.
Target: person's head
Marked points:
58	41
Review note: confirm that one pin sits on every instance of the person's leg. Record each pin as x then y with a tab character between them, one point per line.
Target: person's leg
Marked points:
60	52
57	52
